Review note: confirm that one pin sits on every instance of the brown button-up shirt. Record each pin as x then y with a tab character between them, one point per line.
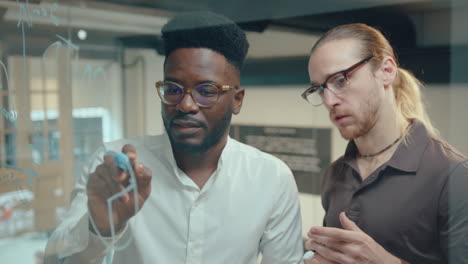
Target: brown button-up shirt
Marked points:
415	205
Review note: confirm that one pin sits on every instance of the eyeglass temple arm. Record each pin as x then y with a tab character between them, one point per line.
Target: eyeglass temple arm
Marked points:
228	87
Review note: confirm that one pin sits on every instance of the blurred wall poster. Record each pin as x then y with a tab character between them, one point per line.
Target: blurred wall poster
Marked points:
307	151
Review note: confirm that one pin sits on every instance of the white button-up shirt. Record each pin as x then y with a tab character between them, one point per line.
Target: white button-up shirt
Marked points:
248	206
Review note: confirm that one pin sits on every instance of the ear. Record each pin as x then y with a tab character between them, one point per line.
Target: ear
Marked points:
237	100
388	70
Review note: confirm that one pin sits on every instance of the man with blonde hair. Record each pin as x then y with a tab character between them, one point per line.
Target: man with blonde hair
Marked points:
396	195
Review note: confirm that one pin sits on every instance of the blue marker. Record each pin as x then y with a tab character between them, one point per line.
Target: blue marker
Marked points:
121	159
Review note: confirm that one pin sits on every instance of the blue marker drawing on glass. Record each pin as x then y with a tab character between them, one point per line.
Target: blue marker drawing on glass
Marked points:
11	114
9	177
27	10
5	72
124	163
24	13
70	45
68	42
56	44
91	73
54	18
31	173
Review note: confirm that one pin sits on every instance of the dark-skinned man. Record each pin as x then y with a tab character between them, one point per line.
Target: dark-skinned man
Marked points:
202	197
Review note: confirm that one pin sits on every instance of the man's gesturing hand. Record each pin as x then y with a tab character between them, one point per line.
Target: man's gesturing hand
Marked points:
348	245
109	179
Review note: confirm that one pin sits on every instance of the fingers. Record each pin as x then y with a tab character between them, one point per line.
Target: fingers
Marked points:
347	223
143	175
143	178
328	242
116	175
112	172
138	167
318	259
308	245
331	254
101	183
334	233
116	164
130	151
312	245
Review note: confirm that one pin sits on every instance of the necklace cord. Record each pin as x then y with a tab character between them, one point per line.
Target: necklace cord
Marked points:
381	151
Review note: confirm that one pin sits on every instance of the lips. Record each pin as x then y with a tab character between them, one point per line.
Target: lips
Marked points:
340	119
186	126
185	123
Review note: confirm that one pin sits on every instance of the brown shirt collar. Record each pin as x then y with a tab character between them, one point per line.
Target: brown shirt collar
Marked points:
407	156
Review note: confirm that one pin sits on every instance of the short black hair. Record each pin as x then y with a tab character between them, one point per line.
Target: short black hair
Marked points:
204	29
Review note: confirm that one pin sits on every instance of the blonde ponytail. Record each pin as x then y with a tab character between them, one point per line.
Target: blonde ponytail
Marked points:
408	98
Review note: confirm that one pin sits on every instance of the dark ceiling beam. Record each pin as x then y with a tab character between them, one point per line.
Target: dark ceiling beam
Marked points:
252	10
391	16
394	23
430	65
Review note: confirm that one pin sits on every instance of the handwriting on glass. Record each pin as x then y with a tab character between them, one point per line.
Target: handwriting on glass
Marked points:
10	178
92	73
7	177
71	48
30	173
11	115
26	12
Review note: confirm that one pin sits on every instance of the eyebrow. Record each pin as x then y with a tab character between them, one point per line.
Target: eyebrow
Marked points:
314	84
171	79
326	79
197	83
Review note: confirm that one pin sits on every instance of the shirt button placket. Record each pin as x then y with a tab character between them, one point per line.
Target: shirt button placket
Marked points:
195	236
354	209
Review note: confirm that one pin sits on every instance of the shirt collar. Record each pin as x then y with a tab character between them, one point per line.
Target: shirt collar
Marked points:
407	156
181	176
409	153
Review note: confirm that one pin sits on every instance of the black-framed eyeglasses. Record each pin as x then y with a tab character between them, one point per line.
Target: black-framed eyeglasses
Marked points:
336	83
205	95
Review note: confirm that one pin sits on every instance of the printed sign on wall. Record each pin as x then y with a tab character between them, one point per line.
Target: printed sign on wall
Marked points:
307	151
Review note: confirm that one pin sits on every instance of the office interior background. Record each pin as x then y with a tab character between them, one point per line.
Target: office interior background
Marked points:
75	74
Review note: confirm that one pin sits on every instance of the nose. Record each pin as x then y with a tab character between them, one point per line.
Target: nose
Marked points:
187	104
330	99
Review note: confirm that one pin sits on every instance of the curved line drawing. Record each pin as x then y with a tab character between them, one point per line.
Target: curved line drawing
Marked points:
6	73
131	187
57	44
12	114
69	44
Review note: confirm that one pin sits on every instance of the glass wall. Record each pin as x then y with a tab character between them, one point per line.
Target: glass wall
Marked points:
75	74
